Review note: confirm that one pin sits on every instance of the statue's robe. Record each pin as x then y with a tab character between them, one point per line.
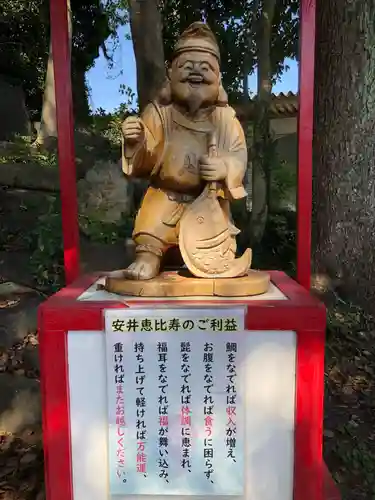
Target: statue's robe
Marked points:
169	157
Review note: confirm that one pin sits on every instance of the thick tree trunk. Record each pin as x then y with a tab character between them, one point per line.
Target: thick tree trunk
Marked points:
146	30
260	170
345	147
48	125
48	122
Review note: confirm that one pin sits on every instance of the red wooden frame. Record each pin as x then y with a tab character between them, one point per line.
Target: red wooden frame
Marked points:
59	36
301	313
305	138
64	118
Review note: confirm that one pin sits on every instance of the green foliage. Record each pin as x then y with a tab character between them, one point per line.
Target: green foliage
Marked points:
130	106
117	15
47	258
283	183
283	172
282	175
22	151
234	22
24	44
109	233
278	247
90	30
109	124
46	244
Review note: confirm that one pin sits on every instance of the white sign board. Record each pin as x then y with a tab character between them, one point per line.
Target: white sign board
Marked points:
175	402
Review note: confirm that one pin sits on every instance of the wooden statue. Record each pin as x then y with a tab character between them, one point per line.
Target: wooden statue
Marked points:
192	148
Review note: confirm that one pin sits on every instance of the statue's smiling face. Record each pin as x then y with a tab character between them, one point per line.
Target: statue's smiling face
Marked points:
195	80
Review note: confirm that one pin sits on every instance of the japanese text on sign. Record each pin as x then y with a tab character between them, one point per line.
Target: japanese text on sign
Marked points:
174	403
209	408
118	369
162	349
140	403
228	324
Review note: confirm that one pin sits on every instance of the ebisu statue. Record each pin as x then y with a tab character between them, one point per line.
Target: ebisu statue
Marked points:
192	148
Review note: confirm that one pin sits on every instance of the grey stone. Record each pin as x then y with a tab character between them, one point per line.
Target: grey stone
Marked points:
19	403
104	195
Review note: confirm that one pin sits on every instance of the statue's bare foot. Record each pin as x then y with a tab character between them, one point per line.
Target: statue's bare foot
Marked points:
145	267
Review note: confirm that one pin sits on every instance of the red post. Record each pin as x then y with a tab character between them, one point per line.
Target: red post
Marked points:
305	137
64	116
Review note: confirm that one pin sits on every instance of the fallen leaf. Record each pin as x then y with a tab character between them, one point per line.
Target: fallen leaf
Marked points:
7	303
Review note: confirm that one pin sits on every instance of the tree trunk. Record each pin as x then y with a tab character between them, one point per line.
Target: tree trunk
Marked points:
48	122
345	147
260	167
146	30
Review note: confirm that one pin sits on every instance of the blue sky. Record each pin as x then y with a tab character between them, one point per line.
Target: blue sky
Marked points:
105	82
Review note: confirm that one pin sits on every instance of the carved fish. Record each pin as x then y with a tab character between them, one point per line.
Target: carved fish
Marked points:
207	237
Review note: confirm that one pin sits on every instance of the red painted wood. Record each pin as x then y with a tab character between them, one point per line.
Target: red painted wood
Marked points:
301	310
90	317
305	136
55	412
64	115
289	287
308	470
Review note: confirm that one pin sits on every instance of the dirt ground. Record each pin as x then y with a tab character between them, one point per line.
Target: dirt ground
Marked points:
21	451
349	441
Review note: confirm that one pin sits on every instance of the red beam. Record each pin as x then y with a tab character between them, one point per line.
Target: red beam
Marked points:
305	137
65	128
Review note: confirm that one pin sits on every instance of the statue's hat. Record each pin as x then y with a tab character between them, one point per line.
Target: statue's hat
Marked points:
198	37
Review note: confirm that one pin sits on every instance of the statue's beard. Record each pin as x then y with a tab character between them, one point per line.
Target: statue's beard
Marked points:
194	98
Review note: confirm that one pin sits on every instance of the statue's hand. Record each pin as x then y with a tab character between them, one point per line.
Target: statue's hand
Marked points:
212	168
133	130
